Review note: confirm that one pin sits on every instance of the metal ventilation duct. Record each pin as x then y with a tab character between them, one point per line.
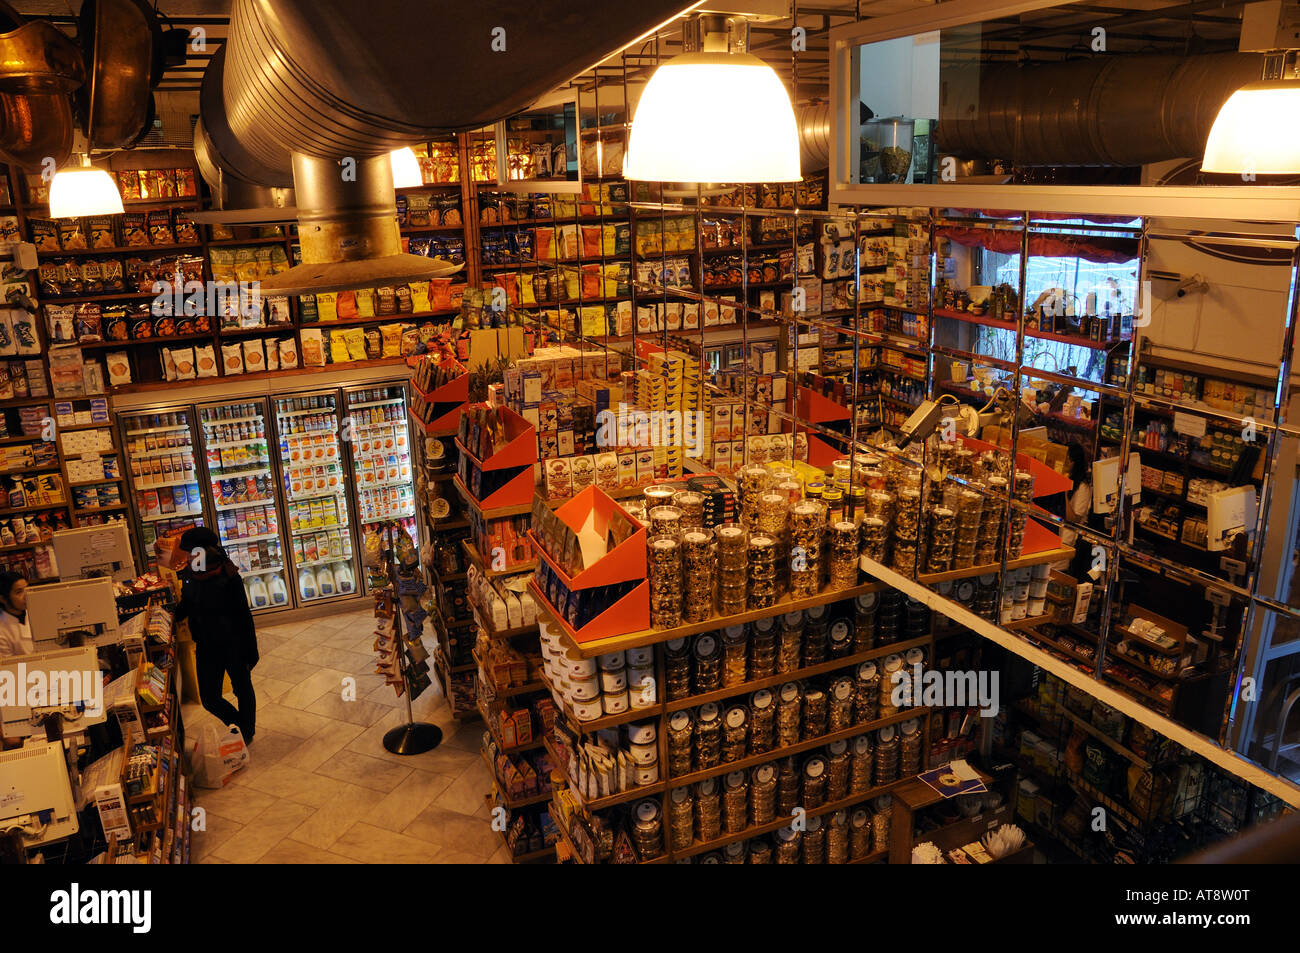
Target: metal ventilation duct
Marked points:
326	86
815	134
1108	110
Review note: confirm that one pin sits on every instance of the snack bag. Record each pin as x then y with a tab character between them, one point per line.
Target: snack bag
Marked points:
232	359
346	306
365	300
289	352
327	306
254	356
119	368
355	342
338	353
392	340
183	358
205	361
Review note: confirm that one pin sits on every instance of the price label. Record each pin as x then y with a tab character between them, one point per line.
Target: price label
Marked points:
1189	424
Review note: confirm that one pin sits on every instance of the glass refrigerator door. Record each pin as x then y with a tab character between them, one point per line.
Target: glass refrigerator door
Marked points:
161	454
236	446
382	472
315	493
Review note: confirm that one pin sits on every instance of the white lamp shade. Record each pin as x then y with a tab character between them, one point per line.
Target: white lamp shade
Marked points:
1256	131
406	168
84	191
714	117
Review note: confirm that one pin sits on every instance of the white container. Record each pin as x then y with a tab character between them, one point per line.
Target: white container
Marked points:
643	657
641	687
611	661
1038	589
615	704
613	682
587	711
577	668
646	774
641	732
585	689
643	754
1036	608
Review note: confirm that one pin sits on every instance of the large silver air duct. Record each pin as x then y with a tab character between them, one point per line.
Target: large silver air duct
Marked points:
1106	110
327	88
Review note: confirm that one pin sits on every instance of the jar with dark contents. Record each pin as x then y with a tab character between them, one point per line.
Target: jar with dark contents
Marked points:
909	746
681	817
760	851
647	829
735	802
841	639
895	685
762	648
790	646
887	750
866	693
677	668
762	721
691	505
762	795
735	656
789	711
708	810
815	709
708	736
860	764
837	838
814	782
734	853
837	770
681	741
814	841
788	785
882	811
735	733
815	636
859	834
697	574
762	571
708	663
864	622
839	713
664	554
789	844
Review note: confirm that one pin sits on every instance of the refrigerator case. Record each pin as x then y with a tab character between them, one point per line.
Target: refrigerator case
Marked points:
378	436
247	514
160	446
314	479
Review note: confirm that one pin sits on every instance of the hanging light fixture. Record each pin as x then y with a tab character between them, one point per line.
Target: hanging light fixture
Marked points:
1255	132
406	168
81	189
716	113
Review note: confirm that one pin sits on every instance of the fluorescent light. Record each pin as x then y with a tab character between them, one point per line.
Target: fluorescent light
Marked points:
82	190
714	117
406	168
1255	131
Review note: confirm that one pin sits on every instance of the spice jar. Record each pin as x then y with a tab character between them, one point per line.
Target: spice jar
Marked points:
814	841
681	739
708	663
839	712
677	668
762	721
762	795
837	838
787	786
789	710
681	817
762	648
837	770
883	808
791	642
788	846
691	505
647	830
815	711
860	764
735	802
859	834
735	733
814	782
909	744
708	810
887	750
864	622
735	652
708	736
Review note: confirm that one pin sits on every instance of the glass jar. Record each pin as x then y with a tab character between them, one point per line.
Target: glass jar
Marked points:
760	851
837	770
665	521
840	643
665	557
773	512
708	663
882	811
691	505
837	838
864	622
734	853
839	712
762	571
814	782
859	834
681	741
708	810
815	636
909	745
789	844
895	685
677	668
735	652
657	495
735	802
789	713
697	574
708	736
735	733
752	482
762	648
762	795
648	829
843	548
814	841
815	710
860	763
681	817
790	645
788	786
887	750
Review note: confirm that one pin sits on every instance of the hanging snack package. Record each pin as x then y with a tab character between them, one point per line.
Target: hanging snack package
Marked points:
134	229
184	360
419	297
254	356
205	361
392	339
272	355
232	359
119	368
374	344
338	348
71	235
160	227
365	299
289	353
327	306
346	305
354	340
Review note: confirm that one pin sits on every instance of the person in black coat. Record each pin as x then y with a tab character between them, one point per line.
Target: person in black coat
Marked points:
221	623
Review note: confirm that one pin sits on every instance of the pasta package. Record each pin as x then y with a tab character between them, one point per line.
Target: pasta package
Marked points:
254	356
288	353
313	349
338	348
205	361
232	359
355	341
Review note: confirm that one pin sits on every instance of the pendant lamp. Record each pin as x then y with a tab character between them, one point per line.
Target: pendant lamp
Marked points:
406	168
81	189
1255	132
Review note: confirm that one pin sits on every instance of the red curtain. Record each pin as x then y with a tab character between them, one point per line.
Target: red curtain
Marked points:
1097	248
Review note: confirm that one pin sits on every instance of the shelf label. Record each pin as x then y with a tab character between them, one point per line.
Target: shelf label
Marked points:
1189	424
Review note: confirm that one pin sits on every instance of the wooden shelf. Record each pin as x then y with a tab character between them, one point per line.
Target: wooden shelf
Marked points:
116	250
1020	562
473	555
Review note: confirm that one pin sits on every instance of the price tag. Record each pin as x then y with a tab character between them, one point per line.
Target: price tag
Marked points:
1188	424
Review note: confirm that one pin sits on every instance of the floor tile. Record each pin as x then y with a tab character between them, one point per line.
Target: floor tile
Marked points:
290	851
468	793
374	845
285	669
291	721
234	801
269	689
357	712
312	687
346	805
323	745
351	662
404	803
363	770
455	831
264	832
217	829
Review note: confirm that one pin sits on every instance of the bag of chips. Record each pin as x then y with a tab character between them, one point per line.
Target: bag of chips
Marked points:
288	353
338	348
205	361
313	349
254	356
354	340
232	359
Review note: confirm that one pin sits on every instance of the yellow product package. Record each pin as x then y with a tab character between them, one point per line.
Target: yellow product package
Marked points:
392	336
355	341
327	306
338	347
365	302
527	293
420	297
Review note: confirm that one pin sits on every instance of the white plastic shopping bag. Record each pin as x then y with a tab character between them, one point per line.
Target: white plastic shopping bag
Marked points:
217	755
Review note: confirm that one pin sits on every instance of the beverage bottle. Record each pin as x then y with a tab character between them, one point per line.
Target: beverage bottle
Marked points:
325	582
279	593
343	579
258	595
307	584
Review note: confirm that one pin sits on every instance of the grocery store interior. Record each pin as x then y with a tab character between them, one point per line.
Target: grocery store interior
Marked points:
767	433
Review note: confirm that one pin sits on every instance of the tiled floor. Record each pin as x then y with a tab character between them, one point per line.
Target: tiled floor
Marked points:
320	788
